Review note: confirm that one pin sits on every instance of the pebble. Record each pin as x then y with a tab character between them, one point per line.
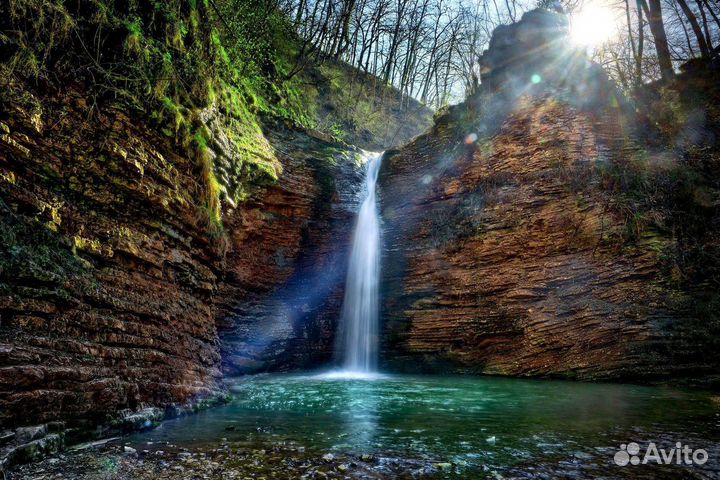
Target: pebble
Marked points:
129	450
278	461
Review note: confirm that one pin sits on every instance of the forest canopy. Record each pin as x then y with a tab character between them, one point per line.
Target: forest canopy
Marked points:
429	49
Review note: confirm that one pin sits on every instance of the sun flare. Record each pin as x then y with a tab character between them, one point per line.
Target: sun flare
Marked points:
592	26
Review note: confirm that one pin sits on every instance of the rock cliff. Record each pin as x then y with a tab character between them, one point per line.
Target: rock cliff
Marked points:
508	249
174	207
114	297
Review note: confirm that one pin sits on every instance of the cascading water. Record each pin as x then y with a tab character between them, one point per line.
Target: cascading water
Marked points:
359	321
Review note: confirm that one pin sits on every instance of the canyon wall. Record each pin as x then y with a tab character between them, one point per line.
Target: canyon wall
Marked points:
507	248
106	276
176	202
282	290
114	296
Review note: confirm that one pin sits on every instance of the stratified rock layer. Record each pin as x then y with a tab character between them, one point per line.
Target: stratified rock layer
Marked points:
107	281
283	285
504	250
502	264
112	287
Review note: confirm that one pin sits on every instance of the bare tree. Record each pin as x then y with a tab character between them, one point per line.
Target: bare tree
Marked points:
702	43
653	12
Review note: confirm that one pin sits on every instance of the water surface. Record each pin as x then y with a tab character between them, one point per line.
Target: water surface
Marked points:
478	424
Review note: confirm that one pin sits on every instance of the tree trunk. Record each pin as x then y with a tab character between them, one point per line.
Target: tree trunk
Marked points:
298	15
712	12
706	28
653	12
641	44
685	31
344	37
704	51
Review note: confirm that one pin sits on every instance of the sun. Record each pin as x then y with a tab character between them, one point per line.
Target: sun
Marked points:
592	26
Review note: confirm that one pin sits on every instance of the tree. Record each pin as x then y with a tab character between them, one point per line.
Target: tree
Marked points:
653	12
704	51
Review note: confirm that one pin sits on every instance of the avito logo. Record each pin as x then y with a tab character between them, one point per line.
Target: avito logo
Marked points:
681	454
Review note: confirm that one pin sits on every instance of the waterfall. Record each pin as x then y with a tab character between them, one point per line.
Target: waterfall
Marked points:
359	321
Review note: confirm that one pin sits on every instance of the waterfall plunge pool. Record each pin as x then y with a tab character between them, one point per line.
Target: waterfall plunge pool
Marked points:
469	426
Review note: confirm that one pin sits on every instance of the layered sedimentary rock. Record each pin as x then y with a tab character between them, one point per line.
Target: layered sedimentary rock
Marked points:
503	248
114	294
283	286
107	278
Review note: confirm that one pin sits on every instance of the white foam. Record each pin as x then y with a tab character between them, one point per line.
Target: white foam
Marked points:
349	375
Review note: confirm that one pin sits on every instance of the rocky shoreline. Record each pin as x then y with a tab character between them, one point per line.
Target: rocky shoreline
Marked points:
34	443
223	460
116	459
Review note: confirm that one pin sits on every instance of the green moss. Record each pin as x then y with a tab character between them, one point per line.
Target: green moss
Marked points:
212	188
175	113
29	251
337	132
178	62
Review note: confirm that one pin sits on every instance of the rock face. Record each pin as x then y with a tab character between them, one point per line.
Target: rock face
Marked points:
283	285
502	242
106	280
114	296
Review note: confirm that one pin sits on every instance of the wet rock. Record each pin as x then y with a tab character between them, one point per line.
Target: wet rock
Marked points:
38	449
6	436
27	434
96	443
143	419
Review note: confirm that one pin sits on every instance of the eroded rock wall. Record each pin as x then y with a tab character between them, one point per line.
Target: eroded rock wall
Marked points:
114	295
504	249
283	287
106	279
